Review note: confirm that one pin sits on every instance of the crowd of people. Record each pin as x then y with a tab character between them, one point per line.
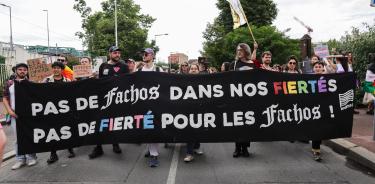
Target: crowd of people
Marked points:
245	60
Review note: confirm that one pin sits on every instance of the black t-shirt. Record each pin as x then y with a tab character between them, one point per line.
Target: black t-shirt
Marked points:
109	70
59	81
241	66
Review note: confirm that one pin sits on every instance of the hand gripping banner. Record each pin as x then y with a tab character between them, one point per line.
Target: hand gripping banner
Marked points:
147	107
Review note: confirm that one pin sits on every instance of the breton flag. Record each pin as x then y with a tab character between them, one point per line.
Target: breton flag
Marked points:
239	17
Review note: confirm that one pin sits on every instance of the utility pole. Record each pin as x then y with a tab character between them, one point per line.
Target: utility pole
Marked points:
11	31
47	30
116	23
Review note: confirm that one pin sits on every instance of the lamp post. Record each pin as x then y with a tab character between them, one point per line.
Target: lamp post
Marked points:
116	23
47	30
164	34
11	31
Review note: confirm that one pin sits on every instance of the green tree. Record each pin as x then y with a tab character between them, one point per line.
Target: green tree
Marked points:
98	28
269	39
221	40
2	60
258	12
360	43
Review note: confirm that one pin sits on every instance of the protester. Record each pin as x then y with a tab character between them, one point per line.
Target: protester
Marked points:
292	66
3	141
111	68
131	65
277	68
193	147
85	61
266	61
318	68
242	62
369	86
149	66
212	70
225	67
13	75
67	72
57	77
184	68
9	104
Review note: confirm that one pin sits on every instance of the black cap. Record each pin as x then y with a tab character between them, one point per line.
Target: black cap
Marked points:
22	65
113	49
58	64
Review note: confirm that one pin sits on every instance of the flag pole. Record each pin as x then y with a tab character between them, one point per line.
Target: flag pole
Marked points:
248	25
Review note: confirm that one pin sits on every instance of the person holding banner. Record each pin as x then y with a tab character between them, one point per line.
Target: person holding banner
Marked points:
109	69
318	68
242	62
3	141
10	105
292	66
57	77
266	61
149	66
131	65
192	147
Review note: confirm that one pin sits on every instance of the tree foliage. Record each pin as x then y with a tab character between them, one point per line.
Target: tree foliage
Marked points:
221	40
258	12
99	28
360	43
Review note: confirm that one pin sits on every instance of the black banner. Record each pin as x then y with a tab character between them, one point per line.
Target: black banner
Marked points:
149	107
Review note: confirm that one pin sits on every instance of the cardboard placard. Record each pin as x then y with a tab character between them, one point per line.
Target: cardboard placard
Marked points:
82	71
38	70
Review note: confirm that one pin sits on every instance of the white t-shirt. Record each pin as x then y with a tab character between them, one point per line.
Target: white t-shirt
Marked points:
152	69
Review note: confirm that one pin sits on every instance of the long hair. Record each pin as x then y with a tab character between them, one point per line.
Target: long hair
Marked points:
292	57
246	48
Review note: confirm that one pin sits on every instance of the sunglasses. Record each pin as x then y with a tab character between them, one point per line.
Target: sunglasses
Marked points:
61	60
292	63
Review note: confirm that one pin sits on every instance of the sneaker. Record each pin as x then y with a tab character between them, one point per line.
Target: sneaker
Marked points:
71	153
116	149
52	159
245	153
154	162
355	112
32	162
316	156
18	165
188	158
97	152
198	151
236	154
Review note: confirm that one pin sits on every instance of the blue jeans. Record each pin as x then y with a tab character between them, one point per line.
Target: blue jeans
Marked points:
19	157
190	146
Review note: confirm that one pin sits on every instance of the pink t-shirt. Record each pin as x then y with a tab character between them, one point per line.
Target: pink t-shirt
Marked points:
1	126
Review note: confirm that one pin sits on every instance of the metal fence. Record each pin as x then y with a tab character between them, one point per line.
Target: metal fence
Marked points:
5	71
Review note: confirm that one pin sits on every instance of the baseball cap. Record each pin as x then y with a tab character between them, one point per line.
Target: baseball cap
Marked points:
113	49
149	51
22	65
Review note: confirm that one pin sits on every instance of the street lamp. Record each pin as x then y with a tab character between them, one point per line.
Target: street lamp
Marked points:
164	34
116	23
47	29
11	32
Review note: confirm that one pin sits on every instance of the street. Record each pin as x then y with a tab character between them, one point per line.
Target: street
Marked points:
270	162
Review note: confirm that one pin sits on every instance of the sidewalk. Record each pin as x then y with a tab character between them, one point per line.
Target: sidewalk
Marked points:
359	148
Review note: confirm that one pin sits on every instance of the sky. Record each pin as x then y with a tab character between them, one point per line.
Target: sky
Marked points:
183	20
